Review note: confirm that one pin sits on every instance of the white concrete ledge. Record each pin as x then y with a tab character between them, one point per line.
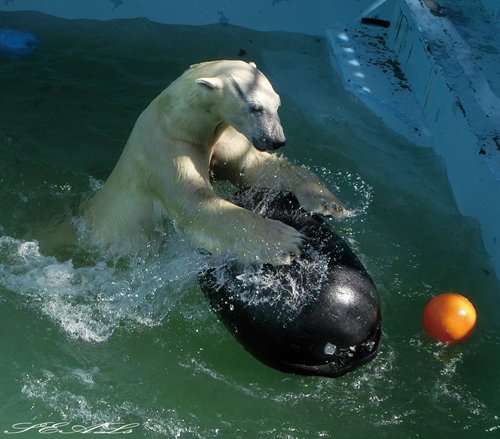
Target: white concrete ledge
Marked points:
442	90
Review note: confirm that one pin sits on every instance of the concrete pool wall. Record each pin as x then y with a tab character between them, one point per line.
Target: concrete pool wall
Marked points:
433	75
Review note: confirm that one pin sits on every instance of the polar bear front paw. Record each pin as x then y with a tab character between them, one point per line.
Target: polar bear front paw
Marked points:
322	201
280	243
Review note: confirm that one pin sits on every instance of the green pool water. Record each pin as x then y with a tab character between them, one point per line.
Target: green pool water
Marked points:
136	347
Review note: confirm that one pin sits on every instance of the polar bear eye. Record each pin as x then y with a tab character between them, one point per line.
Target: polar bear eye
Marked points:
256	108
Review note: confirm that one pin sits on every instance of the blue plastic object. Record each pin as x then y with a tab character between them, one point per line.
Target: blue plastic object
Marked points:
16	43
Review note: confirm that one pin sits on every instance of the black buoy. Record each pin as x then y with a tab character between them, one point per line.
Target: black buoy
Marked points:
318	316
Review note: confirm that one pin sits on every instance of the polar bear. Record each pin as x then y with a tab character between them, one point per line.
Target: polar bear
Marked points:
220	117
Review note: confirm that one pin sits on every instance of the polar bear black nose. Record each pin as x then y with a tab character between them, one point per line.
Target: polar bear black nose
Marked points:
267	144
278	144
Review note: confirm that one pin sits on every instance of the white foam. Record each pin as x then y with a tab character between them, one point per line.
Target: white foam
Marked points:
287	290
76	409
90	303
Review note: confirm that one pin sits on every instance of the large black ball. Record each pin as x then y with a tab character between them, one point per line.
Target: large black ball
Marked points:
318	316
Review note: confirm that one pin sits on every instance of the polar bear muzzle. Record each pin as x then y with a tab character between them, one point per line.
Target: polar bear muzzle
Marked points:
268	145
270	136
263	128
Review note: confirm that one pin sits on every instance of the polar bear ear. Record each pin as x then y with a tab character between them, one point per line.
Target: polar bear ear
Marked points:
211	83
253	64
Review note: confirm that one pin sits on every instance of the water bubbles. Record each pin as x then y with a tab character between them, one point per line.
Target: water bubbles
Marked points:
61	190
349	187
95	184
86	377
288	292
27	250
91	302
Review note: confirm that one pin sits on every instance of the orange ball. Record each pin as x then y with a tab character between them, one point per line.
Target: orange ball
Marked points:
450	318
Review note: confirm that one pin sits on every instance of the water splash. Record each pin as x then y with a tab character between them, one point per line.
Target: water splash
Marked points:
91	302
50	388
288	290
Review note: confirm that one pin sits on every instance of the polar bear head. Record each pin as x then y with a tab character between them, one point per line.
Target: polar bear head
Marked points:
244	98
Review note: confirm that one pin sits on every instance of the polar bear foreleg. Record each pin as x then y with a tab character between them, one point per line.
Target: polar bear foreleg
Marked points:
238	161
219	226
223	228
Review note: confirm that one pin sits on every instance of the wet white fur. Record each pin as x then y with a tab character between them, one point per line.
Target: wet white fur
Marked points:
200	122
